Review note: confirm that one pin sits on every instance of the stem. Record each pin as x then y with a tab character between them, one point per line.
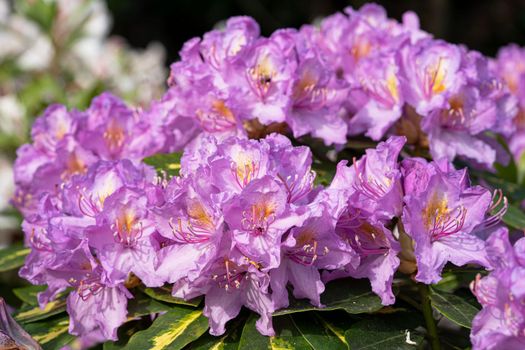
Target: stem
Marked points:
429	319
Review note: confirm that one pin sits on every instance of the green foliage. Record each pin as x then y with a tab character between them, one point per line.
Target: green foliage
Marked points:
454	307
386	332
164	294
165	163
51	334
29	294
173	330
352	296
514	218
41	12
12	257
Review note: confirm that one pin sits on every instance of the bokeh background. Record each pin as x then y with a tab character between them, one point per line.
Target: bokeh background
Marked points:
483	25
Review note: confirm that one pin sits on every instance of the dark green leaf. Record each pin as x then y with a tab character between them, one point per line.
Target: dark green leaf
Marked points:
124	333
288	336
362	144
142	306
455	278
168	163
353	296
385	332
228	341
52	334
12	257
251	339
173	330
513	191
318	332
29	294
164	294
453	307
514	217
34	313
324	173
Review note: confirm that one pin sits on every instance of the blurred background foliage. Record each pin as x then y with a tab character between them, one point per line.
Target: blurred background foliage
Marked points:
483	25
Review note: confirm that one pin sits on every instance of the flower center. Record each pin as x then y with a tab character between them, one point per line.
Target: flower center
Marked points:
440	220
114	135
259	218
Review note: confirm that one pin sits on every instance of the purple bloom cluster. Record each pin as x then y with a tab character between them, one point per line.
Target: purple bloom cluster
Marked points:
84	194
501	322
67	143
357	72
440	217
241	222
244	219
244	222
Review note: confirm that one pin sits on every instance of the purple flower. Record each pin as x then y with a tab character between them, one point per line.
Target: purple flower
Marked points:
12	336
268	80
500	324
309	248
193	222
376	248
232	281
234	285
373	182
123	239
509	67
380	97
441	217
317	103
112	131
258	218
478	107
97	310
431	74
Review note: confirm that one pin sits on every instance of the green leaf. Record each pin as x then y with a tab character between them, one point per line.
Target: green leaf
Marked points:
520	171
173	330
318	332
29	294
386	332
12	257
251	339
124	332
228	341
514	217
454	278
324	173
40	92
455	308
353	296
142	306
305	331
168	163
164	294
34	313
52	334
41	11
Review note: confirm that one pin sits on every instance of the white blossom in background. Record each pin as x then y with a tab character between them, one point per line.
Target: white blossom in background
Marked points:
7	187
11	116
56	59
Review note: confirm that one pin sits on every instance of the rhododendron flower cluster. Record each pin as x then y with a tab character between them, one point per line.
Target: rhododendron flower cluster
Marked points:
355	73
245	221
